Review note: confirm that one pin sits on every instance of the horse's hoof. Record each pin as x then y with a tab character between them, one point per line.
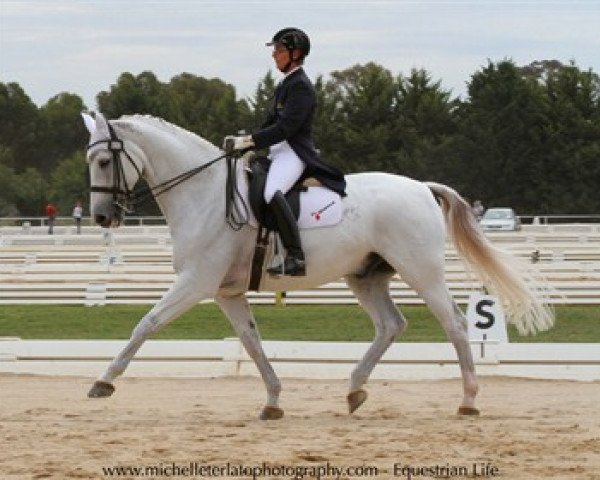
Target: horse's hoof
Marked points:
356	399
468	411
271	413
101	390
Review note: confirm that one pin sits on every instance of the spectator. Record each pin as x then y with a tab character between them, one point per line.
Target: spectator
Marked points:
478	209
77	214
51	212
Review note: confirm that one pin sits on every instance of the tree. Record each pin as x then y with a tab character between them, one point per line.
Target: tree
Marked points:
260	104
573	139
353	125
68	183
503	138
526	137
8	181
207	107
30	192
423	124
142	94
63	132
369	120
19	126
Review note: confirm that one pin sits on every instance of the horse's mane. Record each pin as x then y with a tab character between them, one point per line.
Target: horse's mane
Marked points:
169	127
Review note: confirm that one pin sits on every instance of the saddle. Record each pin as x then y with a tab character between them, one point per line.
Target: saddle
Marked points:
257	169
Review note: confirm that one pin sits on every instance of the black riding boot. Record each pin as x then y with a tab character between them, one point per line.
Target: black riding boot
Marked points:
290	236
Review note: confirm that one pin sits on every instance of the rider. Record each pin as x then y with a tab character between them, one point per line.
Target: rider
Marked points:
287	132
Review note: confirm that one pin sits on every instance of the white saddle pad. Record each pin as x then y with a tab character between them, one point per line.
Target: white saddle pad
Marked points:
319	206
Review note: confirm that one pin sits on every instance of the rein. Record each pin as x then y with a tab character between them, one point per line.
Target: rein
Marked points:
126	199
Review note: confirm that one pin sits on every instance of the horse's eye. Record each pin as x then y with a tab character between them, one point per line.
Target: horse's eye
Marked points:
103	162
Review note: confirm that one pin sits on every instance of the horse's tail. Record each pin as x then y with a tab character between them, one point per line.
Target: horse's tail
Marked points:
502	273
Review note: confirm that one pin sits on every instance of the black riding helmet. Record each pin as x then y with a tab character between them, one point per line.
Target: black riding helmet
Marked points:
292	38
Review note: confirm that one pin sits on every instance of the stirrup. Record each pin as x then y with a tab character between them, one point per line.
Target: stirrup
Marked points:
292	266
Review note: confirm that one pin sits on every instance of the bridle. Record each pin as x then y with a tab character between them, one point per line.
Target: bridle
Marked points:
125	198
122	194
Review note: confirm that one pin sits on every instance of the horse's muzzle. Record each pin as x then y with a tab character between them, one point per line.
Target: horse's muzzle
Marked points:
107	222
107	215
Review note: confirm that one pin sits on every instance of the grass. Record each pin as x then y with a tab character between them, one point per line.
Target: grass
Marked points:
311	323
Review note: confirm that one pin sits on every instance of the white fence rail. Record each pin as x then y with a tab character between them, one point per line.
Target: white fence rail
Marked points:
133	265
320	360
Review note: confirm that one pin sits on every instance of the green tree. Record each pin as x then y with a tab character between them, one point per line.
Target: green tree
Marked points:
261	103
503	138
31	189
423	126
68	183
527	137
369	120
360	105
207	107
63	131
143	94
19	126
329	124
573	172
21	193
8	183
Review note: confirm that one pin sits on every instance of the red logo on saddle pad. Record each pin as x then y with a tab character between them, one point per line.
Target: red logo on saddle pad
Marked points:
317	215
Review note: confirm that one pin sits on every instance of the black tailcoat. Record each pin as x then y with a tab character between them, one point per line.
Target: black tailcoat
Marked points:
290	119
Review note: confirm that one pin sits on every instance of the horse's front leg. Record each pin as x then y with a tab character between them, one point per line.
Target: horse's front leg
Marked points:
240	315
182	295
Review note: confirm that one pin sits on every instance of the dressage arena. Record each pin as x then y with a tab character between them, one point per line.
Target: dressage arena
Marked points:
528	429
209	428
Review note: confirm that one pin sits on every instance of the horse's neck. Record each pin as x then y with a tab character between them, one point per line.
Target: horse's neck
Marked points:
167	157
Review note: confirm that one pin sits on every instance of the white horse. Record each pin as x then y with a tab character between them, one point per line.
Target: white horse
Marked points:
391	224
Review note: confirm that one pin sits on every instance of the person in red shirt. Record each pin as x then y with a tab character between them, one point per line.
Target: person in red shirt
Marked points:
51	212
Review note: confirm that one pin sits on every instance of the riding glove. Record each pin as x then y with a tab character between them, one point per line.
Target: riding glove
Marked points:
233	143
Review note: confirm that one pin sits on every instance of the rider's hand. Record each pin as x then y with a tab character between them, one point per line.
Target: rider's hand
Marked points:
235	143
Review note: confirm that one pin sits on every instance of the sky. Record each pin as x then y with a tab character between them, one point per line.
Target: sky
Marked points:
82	46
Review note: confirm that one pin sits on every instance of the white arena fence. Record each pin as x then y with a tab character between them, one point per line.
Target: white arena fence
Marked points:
133	265
320	360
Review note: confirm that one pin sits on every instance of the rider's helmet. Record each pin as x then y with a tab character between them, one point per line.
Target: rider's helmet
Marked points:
292	38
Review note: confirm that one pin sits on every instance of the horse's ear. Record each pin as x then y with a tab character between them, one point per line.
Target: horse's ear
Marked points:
89	121
102	124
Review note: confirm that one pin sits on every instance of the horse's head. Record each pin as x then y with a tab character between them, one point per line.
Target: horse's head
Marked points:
115	166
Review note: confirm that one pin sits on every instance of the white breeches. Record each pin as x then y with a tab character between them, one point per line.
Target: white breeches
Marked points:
286	169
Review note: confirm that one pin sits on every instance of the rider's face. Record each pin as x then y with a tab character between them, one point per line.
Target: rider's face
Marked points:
281	55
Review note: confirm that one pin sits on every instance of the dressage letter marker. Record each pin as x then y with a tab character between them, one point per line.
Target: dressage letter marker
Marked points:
486	318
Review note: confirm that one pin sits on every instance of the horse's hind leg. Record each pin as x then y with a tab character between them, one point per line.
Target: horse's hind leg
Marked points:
240	315
454	324
427	278
372	291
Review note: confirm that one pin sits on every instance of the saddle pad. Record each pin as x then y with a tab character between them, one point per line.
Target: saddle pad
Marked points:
319	206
